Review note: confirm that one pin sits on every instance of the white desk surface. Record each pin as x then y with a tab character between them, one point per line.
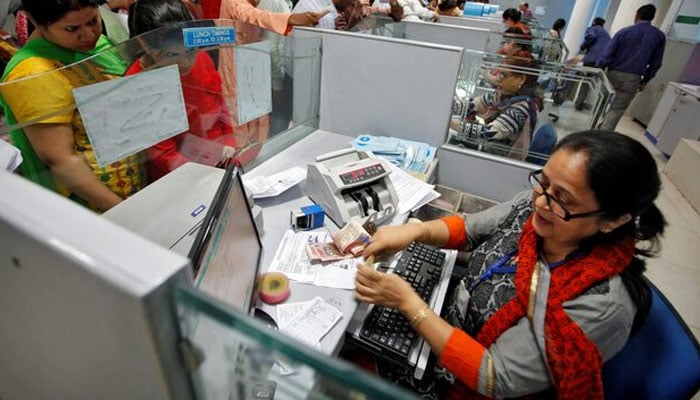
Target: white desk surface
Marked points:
275	213
276	222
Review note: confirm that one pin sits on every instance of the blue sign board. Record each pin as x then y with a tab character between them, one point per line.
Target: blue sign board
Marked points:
209	36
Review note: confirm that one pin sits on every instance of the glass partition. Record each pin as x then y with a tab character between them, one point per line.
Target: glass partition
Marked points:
506	105
99	124
546	47
561	98
233	356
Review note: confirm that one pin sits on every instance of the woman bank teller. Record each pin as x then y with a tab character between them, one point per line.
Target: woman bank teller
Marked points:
553	287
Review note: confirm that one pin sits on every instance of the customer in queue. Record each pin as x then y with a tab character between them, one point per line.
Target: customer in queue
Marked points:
56	149
210	138
555	277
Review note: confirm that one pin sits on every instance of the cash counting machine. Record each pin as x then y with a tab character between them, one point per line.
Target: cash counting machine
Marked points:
350	183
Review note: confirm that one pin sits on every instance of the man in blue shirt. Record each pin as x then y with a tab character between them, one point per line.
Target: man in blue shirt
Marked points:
594	43
632	58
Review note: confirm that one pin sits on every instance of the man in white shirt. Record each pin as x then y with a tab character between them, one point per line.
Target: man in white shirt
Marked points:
328	20
413	10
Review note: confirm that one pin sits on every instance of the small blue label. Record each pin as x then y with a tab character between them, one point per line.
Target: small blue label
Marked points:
198	210
210	36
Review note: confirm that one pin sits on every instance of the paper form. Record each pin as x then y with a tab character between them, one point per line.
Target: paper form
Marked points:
289	311
291	258
432	195
273	185
409	190
339	275
10	156
314	323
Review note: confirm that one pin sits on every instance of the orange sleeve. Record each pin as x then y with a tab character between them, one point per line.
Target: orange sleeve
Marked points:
458	233
242	10
462	356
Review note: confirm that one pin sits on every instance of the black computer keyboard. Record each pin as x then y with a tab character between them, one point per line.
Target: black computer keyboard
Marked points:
421	266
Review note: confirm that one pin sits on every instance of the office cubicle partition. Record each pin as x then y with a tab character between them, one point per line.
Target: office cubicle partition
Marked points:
482	174
543	47
406	106
85	305
91	310
378	86
472	22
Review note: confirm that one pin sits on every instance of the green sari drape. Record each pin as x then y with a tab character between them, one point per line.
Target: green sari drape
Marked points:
110	63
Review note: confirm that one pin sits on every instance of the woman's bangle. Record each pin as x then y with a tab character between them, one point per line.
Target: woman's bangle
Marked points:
420	316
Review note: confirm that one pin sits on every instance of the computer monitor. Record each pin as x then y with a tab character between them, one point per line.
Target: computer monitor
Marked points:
227	251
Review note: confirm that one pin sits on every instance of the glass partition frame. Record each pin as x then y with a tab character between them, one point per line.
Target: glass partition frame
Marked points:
331	378
250	42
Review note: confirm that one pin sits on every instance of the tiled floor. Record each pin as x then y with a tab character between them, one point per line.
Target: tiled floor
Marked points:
677	270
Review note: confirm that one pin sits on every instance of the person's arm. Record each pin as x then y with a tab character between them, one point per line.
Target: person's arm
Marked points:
392	9
54	145
483	102
390	239
392	291
277	22
422	12
165	156
508	125
657	57
608	55
588	41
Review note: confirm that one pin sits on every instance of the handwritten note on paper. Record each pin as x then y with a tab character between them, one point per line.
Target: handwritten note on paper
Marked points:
253	81
126	115
314	323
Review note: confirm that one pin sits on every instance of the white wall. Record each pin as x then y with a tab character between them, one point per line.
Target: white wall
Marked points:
683	31
628	9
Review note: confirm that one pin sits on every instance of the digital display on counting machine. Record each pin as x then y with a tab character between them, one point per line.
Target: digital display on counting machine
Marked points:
362	174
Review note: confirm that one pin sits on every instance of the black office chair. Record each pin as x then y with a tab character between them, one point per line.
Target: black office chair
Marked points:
660	361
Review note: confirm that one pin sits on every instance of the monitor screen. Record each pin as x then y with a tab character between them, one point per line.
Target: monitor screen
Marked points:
227	251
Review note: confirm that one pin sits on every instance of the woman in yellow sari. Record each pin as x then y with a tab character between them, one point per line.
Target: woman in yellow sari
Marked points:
36	92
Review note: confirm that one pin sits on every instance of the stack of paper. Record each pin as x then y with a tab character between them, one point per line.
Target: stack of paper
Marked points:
273	185
292	259
308	321
413	193
416	158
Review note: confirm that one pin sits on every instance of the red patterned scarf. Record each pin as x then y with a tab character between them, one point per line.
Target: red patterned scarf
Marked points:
573	359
